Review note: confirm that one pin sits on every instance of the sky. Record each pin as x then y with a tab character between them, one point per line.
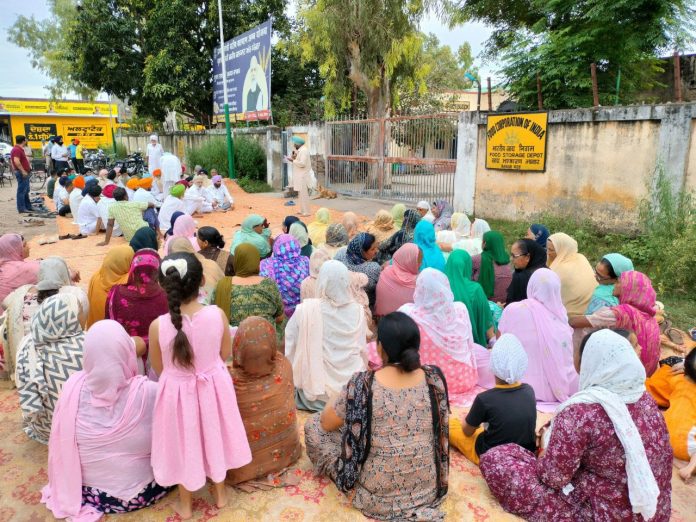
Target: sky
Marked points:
20	79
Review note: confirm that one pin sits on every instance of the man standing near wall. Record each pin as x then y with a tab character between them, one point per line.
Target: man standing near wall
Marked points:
22	171
154	154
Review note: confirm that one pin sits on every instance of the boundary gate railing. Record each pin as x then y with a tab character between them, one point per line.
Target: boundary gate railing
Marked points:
399	158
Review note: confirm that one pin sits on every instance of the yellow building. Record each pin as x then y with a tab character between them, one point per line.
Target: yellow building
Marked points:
90	122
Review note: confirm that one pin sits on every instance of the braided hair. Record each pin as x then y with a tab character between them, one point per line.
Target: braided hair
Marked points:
181	290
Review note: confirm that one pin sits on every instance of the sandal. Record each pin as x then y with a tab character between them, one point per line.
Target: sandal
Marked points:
78	236
674	335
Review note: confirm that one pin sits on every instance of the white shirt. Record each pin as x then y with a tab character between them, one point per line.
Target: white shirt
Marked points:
171	204
195	193
75	200
170	167
87	216
130	193
221	194
156	190
144	196
154	154
103	209
59	194
59	152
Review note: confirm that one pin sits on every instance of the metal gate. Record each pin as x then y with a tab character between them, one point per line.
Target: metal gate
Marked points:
402	158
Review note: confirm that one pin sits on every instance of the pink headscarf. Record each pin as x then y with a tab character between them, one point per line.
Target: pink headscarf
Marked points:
185	226
445	322
636	312
397	283
14	270
107	407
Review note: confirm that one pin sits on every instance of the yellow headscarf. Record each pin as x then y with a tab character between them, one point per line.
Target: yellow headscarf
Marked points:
317	229
383	226
577	275
114	271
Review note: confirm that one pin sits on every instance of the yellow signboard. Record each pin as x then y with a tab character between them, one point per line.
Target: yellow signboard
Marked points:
517	141
19	106
91	131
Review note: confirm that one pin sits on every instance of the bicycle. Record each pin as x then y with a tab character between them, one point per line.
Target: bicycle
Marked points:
37	179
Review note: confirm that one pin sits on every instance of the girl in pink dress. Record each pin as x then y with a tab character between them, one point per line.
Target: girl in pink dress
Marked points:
197	431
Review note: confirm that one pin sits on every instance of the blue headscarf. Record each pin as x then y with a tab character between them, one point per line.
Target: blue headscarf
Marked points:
424	237
541	234
357	247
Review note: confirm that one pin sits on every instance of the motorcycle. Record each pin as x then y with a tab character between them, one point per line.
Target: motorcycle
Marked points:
134	164
95	160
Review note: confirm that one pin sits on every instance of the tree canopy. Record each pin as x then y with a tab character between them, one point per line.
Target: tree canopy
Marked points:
559	39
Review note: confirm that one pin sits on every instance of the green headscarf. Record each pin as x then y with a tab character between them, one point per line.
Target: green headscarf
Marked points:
248	235
493	252
397	213
458	271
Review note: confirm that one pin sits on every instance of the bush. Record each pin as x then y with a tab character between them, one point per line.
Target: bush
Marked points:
252	186
249	157
211	155
108	148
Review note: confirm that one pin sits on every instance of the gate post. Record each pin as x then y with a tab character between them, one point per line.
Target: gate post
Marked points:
465	174
381	165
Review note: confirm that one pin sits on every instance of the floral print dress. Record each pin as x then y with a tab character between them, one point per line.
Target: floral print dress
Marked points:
582	474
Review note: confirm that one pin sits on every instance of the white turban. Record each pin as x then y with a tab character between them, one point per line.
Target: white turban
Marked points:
154	137
508	359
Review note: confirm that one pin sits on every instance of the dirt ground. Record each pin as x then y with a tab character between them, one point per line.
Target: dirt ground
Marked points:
11	220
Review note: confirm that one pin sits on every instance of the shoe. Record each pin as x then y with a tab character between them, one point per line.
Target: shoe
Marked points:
290	204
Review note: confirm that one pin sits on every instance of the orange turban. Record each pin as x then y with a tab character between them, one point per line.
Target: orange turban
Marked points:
146	183
133	183
157	173
79	182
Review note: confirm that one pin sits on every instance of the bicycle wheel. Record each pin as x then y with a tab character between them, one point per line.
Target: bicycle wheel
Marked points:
37	180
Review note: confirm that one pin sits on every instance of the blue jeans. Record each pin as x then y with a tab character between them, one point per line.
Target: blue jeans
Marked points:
23	203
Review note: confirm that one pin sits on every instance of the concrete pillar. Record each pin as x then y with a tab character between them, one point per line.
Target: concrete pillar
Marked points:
673	142
465	174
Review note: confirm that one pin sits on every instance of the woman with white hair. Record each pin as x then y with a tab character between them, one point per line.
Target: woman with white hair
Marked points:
154	154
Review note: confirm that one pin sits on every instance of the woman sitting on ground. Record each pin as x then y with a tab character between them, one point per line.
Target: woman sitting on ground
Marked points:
350	223
265	393
459	231
255	232
442	211
144	238
354	441
45	360
99	452
527	257
508	411
358	257
141	300
288	268
538	233
113	271
317	228
15	271
325	339
577	277
397	213
298	230
248	294
424	237
336	239
458	271
184	227
446	339
388	248
635	312
212	246
382	227
609	442
397	283
54	277
540	322
607	273
491	268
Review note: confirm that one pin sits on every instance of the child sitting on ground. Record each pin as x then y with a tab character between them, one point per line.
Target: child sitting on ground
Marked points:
509	409
674	388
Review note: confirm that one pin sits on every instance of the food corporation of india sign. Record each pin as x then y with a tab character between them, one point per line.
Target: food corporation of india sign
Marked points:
516	141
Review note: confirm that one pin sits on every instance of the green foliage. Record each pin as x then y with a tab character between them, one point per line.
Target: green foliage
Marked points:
252	186
157	54
249	159
108	148
369	45
211	155
559	39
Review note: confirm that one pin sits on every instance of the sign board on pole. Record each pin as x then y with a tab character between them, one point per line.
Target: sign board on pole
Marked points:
517	141
248	58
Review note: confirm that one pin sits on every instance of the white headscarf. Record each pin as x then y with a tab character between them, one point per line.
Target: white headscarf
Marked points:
154	137
333	283
479	227
612	376
53	274
508	359
446	322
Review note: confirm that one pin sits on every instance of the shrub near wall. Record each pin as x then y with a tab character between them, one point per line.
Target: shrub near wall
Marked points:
211	155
